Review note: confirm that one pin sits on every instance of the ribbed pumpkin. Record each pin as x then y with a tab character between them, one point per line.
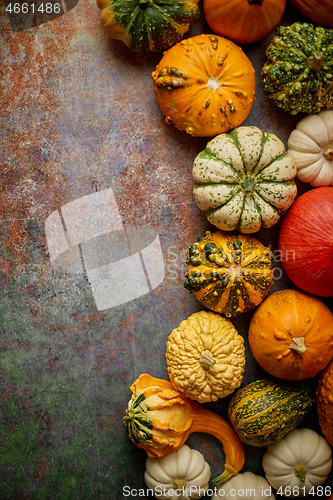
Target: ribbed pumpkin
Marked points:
244	180
205	357
319	12
205	85
145	25
298	73
229	273
324	401
306	243
243	21
291	335
264	411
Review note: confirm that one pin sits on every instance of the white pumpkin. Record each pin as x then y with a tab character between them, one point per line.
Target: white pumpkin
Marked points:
298	462
244	179
243	486
182	474
311	146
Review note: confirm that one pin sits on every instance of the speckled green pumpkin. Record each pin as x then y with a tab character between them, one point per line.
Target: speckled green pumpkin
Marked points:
244	179
264	411
298	73
145	25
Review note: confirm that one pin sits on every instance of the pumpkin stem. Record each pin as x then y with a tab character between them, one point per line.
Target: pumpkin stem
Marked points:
315	61
248	185
255	2
179	484
298	345
328	154
207	359
300	472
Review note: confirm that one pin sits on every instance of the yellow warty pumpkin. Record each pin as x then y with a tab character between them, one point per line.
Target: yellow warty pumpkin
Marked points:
205	357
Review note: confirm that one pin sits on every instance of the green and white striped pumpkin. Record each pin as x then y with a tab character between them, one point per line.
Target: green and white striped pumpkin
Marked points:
264	411
244	179
145	25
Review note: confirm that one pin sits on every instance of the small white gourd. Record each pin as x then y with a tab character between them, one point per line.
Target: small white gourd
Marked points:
182	474
298	462
245	485
311	146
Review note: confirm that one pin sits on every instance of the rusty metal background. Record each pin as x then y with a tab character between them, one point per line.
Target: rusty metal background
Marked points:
78	115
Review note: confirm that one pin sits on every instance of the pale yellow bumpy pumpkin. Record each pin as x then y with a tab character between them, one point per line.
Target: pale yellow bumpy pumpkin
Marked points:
205	357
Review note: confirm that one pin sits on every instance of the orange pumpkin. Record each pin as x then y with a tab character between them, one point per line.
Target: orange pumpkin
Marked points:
291	335
205	85
243	21
324	401
317	11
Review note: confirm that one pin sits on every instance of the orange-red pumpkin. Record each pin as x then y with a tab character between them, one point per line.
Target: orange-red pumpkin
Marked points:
317	11
324	401
243	21
291	335
205	85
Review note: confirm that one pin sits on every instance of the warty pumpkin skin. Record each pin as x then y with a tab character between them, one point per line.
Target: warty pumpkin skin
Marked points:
291	335
205	357
159	419
229	273
243	21
148	25
324	402
264	411
298	73
205	85
319	12
244	180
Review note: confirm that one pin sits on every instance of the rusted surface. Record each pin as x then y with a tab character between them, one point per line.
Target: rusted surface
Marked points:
78	116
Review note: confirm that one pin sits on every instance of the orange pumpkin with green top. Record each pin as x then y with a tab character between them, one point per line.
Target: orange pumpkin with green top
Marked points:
159	419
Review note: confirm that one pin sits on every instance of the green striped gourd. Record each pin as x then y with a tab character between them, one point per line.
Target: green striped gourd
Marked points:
264	411
244	179
145	25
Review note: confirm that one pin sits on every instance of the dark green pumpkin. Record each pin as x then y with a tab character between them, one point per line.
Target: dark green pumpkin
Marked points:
145	25
298	73
264	411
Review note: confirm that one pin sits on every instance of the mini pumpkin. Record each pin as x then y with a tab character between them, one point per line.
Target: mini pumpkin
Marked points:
205	85
291	335
324	401
229	273
205	357
298	73
245	486
311	146
179	471
264	411
298	463
145	25
243	21
244	180
317	12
